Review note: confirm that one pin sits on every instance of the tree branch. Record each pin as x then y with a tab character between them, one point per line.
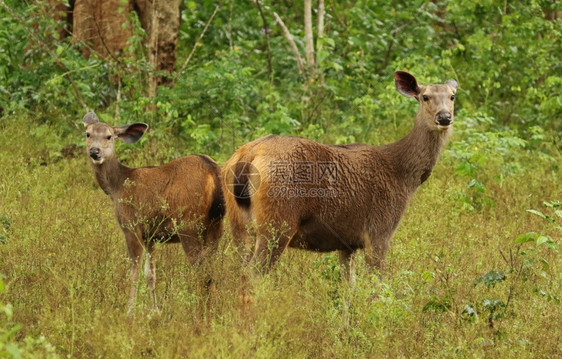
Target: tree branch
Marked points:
393	33
182	69
292	44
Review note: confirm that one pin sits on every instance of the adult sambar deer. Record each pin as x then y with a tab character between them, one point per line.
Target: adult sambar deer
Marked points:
181	201
290	191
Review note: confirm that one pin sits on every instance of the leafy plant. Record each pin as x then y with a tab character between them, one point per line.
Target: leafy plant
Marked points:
4	228
10	347
486	147
521	262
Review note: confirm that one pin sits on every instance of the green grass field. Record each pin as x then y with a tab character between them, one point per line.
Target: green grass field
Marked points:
65	271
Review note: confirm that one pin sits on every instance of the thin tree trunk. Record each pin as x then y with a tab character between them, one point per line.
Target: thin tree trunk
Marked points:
268	47
308	37
100	22
153	48
320	35
164	17
320	25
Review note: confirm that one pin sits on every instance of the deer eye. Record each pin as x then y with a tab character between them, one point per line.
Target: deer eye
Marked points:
453	98
87	134
108	138
425	98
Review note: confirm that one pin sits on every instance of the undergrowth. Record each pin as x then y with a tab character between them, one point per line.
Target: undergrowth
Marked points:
465	277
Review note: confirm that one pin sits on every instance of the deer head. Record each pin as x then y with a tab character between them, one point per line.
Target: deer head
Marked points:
437	102
100	137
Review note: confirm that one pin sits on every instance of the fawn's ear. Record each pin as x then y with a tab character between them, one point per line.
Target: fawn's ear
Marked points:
131	133
406	84
453	83
90	118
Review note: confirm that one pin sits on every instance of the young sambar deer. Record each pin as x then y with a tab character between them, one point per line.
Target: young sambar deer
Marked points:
294	192
181	201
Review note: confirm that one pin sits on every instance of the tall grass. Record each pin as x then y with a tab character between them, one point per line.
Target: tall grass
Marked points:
65	268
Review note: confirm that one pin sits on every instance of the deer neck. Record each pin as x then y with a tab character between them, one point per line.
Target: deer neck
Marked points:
414	156
111	175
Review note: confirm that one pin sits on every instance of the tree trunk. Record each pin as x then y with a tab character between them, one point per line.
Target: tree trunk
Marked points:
168	30
161	21
58	10
100	23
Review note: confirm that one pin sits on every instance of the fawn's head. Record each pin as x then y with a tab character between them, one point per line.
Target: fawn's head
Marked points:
437	102
100	137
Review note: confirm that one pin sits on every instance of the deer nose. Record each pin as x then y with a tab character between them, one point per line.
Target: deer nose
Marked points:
444	118
95	153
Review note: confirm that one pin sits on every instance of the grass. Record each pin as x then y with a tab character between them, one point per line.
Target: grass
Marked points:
65	269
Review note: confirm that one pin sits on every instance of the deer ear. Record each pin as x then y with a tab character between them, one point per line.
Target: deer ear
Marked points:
452	83
406	84
90	118
131	133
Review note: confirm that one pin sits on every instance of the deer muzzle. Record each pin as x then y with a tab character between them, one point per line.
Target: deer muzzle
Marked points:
444	119
95	155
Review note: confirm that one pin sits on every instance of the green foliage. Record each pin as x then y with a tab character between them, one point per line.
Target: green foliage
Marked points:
10	346
491	278
485	148
524	262
230	99
4	229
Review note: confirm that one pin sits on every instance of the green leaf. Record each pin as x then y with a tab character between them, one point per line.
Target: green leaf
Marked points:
476	185
469	310
537	213
493	304
527	237
5	222
13	350
542	239
336	66
491	278
437	304
545	264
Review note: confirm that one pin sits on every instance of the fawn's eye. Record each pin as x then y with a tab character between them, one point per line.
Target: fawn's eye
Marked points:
425	98
108	138
87	134
453	98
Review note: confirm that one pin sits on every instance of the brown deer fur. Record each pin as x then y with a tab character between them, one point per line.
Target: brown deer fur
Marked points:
181	201
360	207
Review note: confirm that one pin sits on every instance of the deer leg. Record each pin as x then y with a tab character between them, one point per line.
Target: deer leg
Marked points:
212	236
269	247
375	252
347	260
150	275
135	249
192	247
242	238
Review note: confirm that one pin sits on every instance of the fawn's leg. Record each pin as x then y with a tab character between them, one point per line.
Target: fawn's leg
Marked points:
135	249
150	275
